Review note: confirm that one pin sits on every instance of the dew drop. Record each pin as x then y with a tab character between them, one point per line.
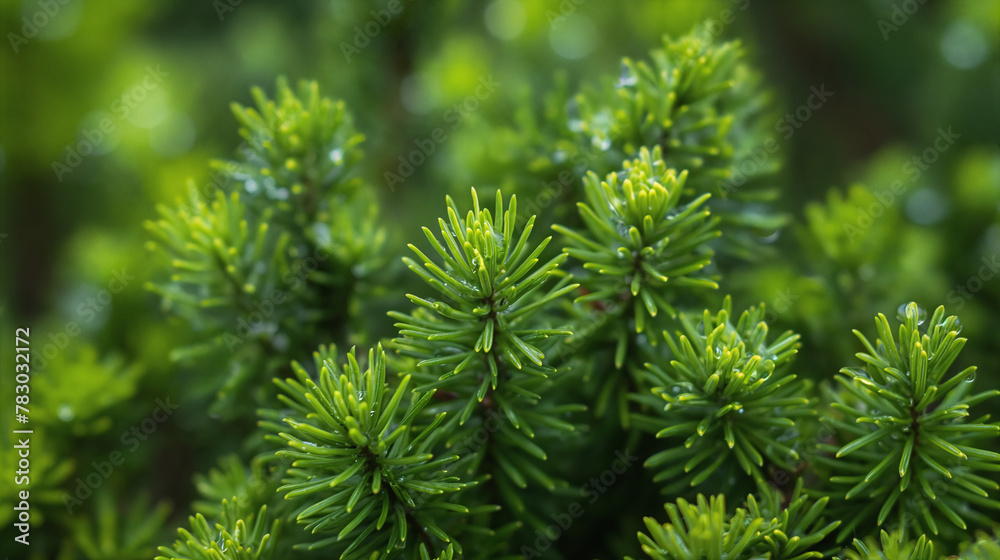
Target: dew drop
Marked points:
971	378
627	78
602	144
572	109
770	237
957	327
901	313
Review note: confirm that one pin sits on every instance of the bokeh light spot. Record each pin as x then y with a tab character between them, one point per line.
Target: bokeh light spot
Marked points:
963	45
574	37
505	18
926	206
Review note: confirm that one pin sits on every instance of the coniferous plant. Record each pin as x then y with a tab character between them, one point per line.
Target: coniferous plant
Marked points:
726	395
461	441
909	452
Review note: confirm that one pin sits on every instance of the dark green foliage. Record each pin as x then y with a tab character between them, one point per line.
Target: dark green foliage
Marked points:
910	455
263	261
799	523
695	100
526	377
773	528
730	400
361	470
641	244
492	280
299	150
250	485
984	547
436	463
891	547
483	346
642	249
129	535
216	247
703	529
232	538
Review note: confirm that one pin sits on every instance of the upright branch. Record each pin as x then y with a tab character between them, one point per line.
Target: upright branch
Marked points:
483	344
908	453
726	394
264	262
362	474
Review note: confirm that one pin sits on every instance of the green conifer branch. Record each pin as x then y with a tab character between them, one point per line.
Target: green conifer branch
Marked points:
908	451
728	396
801	524
362	471
639	236
891	547
703	530
266	264
301	148
232	538
483	346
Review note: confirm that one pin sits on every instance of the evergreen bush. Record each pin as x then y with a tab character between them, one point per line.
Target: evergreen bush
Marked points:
449	458
456	421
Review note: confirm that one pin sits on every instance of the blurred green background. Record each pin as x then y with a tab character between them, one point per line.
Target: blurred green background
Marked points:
109	108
